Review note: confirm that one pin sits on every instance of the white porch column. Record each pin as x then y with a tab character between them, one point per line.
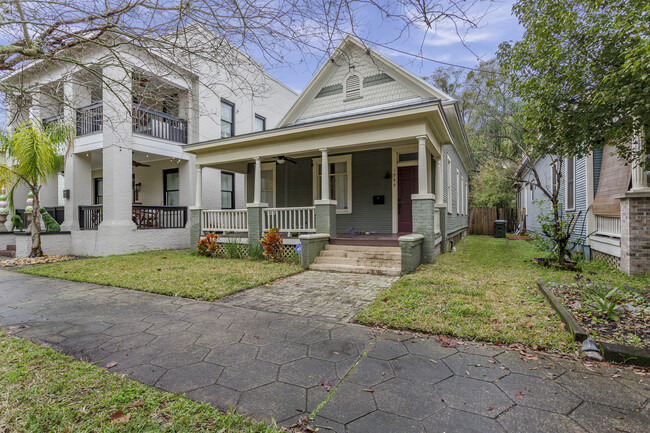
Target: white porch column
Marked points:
439	180
639	177
257	187
325	176
198	199
423	187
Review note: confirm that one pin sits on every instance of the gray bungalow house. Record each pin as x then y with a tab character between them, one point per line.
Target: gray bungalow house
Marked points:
613	200
395	157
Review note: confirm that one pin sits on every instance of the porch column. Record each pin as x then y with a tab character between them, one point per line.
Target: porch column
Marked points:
196	210
325	208
77	180
325	176
639	176
256	209
257	187
423	165
198	199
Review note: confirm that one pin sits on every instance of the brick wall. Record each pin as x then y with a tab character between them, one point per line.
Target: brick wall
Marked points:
635	235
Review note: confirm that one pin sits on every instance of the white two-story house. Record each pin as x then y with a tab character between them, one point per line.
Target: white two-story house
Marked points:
127	182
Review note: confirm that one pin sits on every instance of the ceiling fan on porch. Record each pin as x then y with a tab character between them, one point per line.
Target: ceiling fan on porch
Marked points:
139	164
282	159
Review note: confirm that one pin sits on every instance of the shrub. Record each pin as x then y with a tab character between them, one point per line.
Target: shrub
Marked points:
232	249
272	244
208	246
255	251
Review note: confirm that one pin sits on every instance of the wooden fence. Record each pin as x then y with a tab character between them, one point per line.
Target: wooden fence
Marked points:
481	219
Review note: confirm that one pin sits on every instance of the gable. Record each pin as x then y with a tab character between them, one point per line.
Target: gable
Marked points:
356	78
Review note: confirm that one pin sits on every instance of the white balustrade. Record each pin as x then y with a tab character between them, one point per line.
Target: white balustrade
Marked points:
290	219
436	221
224	220
608	226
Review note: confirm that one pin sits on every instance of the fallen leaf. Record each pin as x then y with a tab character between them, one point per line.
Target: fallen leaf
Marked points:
519	396
467	373
383	373
335	353
368	390
111	364
529	324
562	326
325	385
136	404
447	342
119	417
490	409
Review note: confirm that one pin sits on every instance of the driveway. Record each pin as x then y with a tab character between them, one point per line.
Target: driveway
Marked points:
280	365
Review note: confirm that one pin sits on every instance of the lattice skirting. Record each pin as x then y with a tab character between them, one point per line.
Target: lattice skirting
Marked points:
288	251
607	258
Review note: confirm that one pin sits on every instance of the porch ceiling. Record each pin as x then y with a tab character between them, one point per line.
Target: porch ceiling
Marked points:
372	131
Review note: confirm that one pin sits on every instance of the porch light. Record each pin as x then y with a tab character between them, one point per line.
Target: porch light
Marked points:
137	187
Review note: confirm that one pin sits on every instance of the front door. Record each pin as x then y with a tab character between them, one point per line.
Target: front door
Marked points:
407	184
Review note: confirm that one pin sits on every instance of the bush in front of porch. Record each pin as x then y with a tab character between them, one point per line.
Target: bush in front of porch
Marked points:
486	291
170	272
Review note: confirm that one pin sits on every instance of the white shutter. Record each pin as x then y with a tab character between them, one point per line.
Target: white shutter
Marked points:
352	87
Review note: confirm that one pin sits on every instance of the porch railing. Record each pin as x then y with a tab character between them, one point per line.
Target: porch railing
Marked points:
290	219
225	220
90	118
608	226
90	217
55	212
157	124
52	120
144	217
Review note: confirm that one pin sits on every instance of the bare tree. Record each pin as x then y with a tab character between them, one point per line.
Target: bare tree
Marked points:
186	35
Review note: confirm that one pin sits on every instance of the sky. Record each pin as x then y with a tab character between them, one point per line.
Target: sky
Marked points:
441	43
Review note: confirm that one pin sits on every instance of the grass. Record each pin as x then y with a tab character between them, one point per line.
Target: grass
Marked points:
44	391
169	272
484	291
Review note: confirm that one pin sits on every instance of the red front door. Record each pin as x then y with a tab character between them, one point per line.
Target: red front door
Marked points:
407	184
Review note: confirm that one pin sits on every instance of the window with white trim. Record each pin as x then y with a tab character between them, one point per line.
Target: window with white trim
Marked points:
570	185
449	208
457	191
268	183
227	119
340	171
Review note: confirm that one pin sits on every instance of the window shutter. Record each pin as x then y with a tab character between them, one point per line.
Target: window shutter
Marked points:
352	87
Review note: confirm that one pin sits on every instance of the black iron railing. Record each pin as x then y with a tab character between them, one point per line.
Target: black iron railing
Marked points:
90	118
144	217
157	124
90	216
52	120
56	212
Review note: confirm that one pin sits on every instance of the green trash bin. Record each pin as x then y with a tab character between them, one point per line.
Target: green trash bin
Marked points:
500	228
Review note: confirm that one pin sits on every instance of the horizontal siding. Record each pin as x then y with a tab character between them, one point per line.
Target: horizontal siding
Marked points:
535	208
454	221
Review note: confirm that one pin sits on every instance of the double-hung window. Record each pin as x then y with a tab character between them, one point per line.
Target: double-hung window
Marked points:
227	190
259	124
457	191
99	190
570	191
170	187
227	119
340	172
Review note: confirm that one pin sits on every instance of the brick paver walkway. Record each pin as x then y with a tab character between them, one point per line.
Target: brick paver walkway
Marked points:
332	296
271	364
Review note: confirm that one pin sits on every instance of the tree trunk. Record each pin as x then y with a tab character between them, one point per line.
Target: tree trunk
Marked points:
37	251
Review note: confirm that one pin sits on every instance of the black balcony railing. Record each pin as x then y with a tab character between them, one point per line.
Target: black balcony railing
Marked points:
56	212
157	124
90	119
52	120
144	217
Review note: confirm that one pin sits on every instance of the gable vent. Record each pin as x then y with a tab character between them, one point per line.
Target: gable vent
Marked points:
352	87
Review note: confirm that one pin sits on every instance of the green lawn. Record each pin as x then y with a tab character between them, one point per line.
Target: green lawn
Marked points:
44	391
485	291
169	272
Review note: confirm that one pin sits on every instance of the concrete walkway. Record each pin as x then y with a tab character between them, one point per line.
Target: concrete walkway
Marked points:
280	365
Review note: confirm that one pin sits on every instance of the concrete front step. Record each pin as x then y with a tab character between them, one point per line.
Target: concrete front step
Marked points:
359	259
356	269
371	262
357	248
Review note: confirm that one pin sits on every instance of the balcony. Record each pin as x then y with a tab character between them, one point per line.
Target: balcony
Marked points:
144	217
52	120
146	121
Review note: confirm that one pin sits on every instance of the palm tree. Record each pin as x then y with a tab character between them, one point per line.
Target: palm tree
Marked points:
30	156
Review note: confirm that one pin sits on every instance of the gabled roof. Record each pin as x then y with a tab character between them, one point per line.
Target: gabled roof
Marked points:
416	84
